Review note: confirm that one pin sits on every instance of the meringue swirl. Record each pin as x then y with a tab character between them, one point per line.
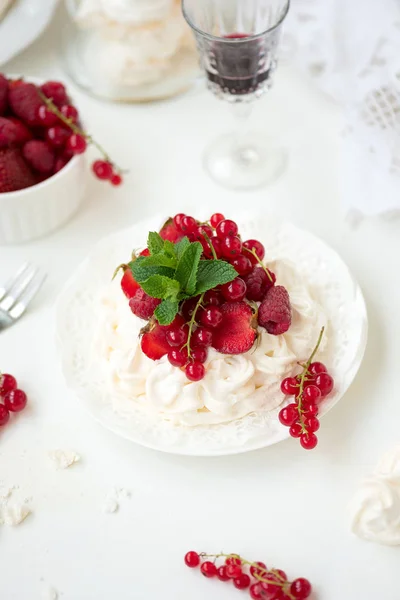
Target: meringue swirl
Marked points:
233	387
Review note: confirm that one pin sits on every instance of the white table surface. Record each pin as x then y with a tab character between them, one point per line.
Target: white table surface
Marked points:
282	505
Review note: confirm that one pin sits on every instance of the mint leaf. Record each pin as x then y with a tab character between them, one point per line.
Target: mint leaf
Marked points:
159	260
186	270
166	311
212	273
159	286
169	249
181	246
155	243
142	273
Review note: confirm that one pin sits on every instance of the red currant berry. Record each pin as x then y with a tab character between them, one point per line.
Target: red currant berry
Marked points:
311	394
290	386
4	415
225	228
308	440
178	220
116	179
216	218
235	290
221	573
270	586
60	163
211	316
7	384
258	571
201	230
296	430
57	136
233	571
289	414
231	246
178	358
310	410
217	245
316	368
70	112
177	336
242	265
242	582
188	308
233	560
311	424
281	575
301	588
102	169
213	297
188	225
192	559
256	592
46	117
15	400
199	354
208	569
195	371
324	382
76	143
202	337
254	246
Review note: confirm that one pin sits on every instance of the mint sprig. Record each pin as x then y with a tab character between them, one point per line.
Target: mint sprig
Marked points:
174	272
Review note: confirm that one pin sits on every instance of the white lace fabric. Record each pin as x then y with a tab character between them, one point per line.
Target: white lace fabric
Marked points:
77	322
351	49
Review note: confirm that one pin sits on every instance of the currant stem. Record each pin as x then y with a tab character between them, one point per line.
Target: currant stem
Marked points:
253	252
70	123
215	257
192	322
303	377
260	578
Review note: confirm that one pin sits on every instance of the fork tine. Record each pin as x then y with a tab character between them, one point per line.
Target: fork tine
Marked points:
18	288
4	289
27	296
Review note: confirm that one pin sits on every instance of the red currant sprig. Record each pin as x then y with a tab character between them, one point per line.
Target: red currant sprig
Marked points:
262	583
310	387
14	400
78	141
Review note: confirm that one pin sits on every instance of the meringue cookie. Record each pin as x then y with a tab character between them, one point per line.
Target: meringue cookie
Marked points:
233	387
376	505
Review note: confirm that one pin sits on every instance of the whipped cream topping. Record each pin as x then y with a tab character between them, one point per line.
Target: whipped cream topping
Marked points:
129	12
233	387
376	504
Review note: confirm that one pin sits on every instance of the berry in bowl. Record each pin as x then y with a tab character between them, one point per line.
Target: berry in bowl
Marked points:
42	165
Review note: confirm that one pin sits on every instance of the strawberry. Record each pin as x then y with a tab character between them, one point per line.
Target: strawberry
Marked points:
13	131
170	232
15	174
128	284
25	102
154	342
40	156
275	312
145	252
3	94
142	305
237	332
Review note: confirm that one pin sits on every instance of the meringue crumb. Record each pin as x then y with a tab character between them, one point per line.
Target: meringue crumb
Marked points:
63	459
110	505
14	514
50	594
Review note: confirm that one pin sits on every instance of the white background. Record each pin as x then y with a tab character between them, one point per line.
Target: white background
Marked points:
282	505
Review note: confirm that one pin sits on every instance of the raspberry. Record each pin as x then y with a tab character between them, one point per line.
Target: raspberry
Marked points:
39	155
15	174
258	283
142	305
25	102
236	333
13	131
275	313
3	94
56	91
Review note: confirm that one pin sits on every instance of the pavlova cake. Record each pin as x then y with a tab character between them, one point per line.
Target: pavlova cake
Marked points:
207	330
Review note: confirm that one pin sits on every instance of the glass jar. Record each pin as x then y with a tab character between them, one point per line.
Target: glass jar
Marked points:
129	50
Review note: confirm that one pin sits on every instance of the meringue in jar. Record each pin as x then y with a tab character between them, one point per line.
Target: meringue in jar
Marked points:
130	50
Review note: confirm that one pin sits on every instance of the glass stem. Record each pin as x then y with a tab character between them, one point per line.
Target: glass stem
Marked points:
244	154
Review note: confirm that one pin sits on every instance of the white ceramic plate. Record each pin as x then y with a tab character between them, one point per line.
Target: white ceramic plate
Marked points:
23	22
76	321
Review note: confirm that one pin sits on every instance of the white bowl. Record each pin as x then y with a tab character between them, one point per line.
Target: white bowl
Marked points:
37	210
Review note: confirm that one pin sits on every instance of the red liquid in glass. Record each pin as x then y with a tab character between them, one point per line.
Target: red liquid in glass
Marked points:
237	66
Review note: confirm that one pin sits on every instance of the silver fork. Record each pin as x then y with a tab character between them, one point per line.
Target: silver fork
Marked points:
17	294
